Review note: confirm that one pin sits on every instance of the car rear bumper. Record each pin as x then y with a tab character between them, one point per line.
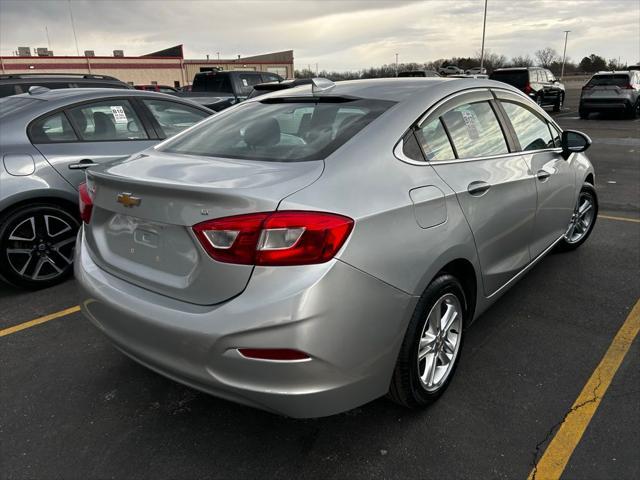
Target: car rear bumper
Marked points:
602	104
350	324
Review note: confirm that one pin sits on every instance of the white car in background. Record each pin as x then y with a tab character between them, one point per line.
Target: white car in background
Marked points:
476	71
450	70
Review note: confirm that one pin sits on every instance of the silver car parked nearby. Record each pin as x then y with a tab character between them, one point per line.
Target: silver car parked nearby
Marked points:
617	92
47	138
316	248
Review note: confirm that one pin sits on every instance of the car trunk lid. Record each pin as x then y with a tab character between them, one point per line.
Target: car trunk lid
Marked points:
144	209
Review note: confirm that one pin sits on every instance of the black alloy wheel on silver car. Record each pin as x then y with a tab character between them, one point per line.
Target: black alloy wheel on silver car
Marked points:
582	220
430	351
37	244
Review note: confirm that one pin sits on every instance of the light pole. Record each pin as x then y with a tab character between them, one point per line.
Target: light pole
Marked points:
564	54
73	27
484	27
396	64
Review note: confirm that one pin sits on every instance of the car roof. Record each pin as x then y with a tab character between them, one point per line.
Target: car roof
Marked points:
61	97
613	72
396	89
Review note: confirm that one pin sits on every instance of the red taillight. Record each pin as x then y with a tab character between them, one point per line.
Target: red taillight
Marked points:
275	239
282	354
527	88
86	203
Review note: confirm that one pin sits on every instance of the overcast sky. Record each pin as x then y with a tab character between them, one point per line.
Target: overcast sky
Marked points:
338	35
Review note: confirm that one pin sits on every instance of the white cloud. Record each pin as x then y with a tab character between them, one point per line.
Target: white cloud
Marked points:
339	35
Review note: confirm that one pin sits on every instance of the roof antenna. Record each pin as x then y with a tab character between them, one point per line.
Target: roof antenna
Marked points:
319	85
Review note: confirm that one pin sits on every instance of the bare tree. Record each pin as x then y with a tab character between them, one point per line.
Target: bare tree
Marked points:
547	56
522	61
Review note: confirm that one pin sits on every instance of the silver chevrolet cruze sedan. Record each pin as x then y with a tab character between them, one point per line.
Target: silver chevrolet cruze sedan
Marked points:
316	248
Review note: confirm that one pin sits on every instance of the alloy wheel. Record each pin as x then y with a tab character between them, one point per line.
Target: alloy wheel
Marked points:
40	247
440	342
582	218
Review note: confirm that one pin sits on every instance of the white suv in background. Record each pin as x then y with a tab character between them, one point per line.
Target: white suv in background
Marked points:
617	91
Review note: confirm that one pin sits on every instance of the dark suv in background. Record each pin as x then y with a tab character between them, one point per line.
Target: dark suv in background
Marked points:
538	83
14	84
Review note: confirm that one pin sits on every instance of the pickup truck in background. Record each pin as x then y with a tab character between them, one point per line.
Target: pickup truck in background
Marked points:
218	90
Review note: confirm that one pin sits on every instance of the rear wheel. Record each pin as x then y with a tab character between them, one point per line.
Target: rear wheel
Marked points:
37	244
559	102
583	219
634	111
431	347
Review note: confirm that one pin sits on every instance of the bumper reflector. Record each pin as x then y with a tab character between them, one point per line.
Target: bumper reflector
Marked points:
280	354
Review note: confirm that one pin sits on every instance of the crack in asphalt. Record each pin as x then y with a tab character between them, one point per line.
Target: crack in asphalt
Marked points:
536	453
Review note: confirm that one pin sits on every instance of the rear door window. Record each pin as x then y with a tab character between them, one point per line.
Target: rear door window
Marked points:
108	120
52	129
174	117
434	141
475	131
279	130
532	131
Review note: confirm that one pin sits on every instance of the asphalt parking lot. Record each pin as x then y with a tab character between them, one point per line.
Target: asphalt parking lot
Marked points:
74	407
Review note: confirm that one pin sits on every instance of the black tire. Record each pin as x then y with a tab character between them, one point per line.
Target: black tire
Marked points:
557	106
566	244
406	387
47	258
634	111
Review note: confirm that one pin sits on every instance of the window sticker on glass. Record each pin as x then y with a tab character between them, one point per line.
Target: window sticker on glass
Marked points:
470	120
244	82
118	114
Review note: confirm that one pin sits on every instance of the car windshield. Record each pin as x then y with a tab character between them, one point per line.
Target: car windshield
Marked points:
279	129
517	78
619	80
10	105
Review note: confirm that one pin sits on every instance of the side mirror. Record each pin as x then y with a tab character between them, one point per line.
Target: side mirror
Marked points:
574	142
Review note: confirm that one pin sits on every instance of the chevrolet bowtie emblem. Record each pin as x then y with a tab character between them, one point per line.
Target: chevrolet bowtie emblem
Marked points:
128	200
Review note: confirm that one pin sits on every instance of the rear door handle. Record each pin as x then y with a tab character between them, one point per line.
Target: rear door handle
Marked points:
543	175
82	164
478	188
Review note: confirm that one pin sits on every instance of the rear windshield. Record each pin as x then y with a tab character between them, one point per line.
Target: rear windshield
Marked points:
208	82
11	105
279	130
619	80
517	78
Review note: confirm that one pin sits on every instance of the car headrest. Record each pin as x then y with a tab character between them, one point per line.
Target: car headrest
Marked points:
263	133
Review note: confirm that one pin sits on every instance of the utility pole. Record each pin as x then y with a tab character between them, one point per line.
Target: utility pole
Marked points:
73	27
316	69
484	27
564	54
48	39
396	64
218	53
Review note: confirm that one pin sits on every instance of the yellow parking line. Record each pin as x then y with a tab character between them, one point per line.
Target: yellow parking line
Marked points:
38	321
621	219
561	447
